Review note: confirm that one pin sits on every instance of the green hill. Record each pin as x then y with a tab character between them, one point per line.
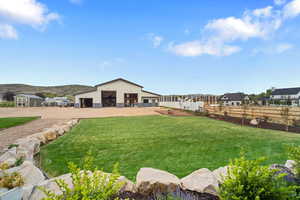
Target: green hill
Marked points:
63	90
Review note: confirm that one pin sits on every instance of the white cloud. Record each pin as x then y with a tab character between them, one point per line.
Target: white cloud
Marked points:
265	12
273	49
279	2
280	48
76	1
292	9
155	39
187	31
220	34
26	12
8	32
197	48
29	12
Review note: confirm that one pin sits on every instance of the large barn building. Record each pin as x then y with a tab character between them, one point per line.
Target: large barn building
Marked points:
116	93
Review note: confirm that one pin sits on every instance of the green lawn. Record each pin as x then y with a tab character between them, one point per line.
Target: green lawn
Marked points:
179	145
14	121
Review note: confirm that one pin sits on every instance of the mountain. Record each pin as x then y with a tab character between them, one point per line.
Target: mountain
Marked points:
63	90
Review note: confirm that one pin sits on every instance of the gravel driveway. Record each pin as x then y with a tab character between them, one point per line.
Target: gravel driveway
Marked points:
10	135
76	113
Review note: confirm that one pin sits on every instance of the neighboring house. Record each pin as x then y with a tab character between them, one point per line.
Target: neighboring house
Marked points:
57	101
28	100
116	93
234	99
288	96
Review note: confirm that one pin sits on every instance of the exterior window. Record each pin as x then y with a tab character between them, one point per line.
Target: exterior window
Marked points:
146	101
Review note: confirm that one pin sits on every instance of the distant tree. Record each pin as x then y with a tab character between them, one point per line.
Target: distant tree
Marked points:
39	94
9	96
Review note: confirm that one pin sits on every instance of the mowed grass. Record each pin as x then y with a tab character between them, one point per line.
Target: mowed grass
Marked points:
179	145
14	121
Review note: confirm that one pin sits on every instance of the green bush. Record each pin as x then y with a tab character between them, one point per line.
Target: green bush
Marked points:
294	154
89	184
249	180
7	104
11	181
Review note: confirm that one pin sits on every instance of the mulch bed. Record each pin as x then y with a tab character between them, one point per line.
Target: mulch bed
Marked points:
263	124
235	120
180	194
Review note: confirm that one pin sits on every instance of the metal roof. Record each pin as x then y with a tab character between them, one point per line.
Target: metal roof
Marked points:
286	91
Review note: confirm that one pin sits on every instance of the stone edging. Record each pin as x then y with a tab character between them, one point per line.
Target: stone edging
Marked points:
25	148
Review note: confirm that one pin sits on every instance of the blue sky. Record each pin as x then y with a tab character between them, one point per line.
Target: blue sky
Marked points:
169	46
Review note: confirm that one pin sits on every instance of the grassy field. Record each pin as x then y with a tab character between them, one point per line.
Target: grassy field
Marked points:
14	121
179	145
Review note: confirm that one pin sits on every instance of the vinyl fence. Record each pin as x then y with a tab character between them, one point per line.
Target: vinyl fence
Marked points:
184	105
272	114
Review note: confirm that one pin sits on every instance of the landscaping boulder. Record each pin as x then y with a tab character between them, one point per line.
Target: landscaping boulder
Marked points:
66	128
254	122
39	136
289	175
27	191
9	157
151	180
129	186
290	164
50	134
60	131
29	144
50	184
202	180
74	122
220	174
31	174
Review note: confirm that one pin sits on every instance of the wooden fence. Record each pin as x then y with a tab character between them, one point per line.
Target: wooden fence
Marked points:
272	114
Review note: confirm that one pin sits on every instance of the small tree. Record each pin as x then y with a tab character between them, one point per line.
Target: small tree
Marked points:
285	116
39	94
9	96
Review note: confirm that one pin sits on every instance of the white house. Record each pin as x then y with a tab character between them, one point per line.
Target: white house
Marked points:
116	93
56	101
234	99
289	96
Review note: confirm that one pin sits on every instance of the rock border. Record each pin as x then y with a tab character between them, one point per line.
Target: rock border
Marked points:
24	149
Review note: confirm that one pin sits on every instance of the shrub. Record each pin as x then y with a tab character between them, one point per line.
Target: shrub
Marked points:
11	181
7	104
4	166
19	161
89	184
249	180
12	146
294	154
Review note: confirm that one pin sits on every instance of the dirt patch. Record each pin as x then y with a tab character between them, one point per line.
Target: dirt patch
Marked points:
174	112
10	135
262	124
